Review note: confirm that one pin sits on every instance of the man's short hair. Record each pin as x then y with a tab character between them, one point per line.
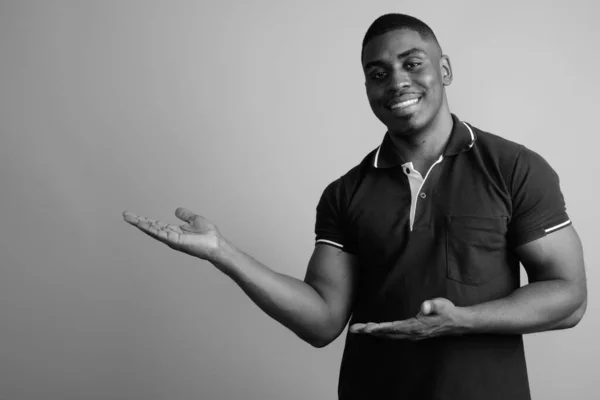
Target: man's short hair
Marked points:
392	22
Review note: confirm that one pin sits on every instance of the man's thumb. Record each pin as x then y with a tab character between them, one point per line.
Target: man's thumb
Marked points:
184	214
433	306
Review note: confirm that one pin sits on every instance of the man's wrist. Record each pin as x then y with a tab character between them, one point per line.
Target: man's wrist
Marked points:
223	253
466	320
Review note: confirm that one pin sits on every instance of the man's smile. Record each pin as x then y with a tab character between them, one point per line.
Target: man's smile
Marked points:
405	103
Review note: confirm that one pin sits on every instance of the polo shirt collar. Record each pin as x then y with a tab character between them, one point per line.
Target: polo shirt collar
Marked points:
462	138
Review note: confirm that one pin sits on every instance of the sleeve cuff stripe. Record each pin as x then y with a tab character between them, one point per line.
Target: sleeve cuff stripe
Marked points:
330	242
556	227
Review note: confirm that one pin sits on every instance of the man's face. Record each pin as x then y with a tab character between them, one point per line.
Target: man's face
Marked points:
405	79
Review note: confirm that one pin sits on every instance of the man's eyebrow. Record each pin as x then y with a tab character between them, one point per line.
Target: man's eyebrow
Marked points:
409	52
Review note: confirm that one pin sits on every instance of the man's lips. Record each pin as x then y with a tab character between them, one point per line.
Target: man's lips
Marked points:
404	101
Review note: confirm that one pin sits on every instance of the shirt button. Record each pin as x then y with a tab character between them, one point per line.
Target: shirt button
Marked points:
423	195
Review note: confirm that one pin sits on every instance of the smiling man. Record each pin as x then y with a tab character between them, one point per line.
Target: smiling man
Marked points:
419	245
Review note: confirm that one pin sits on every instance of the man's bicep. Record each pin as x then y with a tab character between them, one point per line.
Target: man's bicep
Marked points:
333	273
557	255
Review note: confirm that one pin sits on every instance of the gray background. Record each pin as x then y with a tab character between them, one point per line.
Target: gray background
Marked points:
242	111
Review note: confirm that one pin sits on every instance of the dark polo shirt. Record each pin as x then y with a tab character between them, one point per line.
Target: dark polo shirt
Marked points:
451	234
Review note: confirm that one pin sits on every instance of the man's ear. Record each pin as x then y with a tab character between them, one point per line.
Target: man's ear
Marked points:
446	69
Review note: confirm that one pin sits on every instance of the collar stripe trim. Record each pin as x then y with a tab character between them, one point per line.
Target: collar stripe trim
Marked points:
377	156
472	134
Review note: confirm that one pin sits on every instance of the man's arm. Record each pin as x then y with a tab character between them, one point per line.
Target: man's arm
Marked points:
572	319
555	298
316	309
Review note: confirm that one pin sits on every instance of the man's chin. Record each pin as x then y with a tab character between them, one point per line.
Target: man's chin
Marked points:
404	124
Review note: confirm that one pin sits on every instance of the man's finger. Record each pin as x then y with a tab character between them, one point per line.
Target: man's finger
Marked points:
163	232
407	327
184	214
371	326
362	327
130	217
161	224
145	227
163	235
174	228
138	220
153	230
158	225
173	237
357	328
394	336
383	326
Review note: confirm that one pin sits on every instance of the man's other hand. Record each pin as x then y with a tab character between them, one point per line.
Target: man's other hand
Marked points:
198	237
436	317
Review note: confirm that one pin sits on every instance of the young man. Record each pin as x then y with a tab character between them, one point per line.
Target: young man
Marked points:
420	243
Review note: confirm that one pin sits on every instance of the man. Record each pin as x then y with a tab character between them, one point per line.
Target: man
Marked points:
420	244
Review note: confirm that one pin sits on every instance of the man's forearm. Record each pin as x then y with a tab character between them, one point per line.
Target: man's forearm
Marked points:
536	307
290	301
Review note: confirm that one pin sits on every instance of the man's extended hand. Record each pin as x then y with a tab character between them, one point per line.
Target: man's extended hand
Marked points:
437	317
198	237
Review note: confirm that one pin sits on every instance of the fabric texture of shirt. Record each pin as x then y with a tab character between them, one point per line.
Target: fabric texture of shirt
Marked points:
449	234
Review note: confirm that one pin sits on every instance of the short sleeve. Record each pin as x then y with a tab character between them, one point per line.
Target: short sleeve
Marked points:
329	226
538	205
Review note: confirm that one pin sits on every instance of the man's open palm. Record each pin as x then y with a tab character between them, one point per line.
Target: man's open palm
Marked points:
198	237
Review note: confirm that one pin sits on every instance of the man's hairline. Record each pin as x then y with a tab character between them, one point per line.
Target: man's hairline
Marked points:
405	28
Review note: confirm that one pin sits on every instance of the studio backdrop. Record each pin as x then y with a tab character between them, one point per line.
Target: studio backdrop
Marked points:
242	111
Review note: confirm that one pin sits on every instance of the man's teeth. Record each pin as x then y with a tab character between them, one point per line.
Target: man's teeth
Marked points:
405	103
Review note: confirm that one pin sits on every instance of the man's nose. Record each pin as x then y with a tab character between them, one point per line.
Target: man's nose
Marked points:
398	81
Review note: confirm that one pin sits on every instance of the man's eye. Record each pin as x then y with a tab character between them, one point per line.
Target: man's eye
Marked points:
412	64
378	75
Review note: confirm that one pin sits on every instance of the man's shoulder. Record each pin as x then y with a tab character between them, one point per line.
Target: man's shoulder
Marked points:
500	146
497	152
509	156
495	143
352	178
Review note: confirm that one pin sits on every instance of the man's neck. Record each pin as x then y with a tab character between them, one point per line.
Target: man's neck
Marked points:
423	148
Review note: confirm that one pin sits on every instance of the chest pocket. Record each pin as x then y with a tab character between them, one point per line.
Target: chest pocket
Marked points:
476	248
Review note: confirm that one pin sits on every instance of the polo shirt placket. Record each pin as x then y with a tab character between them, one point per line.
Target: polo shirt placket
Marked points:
416	182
